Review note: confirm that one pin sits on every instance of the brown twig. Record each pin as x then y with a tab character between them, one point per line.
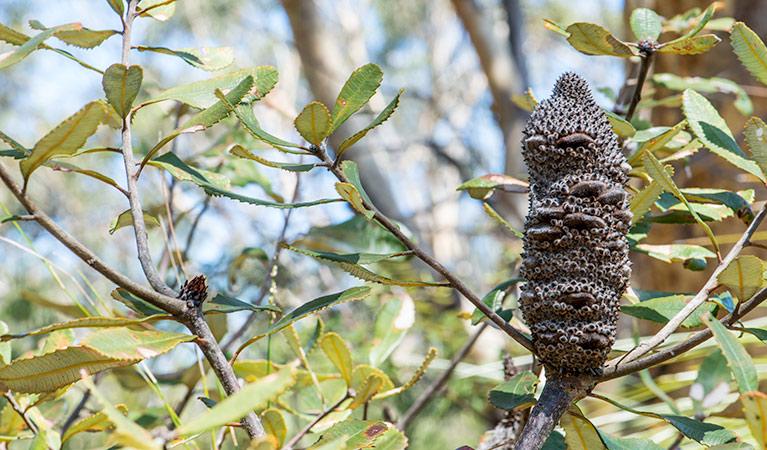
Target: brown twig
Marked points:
429	393
76	412
139	226
455	283
695	302
20	411
648	55
294	440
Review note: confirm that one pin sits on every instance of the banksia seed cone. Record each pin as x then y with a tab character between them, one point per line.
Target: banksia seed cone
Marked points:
576	253
194	291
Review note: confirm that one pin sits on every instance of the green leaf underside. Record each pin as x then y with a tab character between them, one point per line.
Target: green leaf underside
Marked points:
217	192
620	126
95	422
661	309
125	219
30	44
255	395
224	304
580	433
643	200
357	91
750	50
313	123
241	152
704	19
494	298
355	433
713	132
740	362
314	306
754	407
691	46
592	39
201	95
121	86
136	304
184	172
709	85
382	117
210	59
67	137
339	355
702	432
516	393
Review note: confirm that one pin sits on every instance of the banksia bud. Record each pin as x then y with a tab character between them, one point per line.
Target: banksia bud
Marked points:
576	253
194	291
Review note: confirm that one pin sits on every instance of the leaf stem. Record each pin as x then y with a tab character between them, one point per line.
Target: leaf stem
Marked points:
294	440
20	411
648	55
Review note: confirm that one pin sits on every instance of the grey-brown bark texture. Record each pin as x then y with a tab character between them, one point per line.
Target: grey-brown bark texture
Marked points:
576	254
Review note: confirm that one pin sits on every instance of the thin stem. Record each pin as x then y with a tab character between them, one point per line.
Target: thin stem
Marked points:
193	229
314	422
164	302
431	392
644	67
696	301
76	412
20	411
139	227
455	283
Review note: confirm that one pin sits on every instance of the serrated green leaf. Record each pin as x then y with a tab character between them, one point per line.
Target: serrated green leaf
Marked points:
743	276
646	24
641	202
85	38
618	443
30	44
391	439
516	393
218	192
124	343
662	308
52	371
86	322
392	323
95	422
210	59
352	196
740	362
674	252
252	396
67	137
756	137
691	46
200	94
481	188
663	176
160	13
713	132
732	200
135	304
224	304
382	117
494	298
709	85
121	86
654	139
351	258
372	385
430	356
184	172
12	36
245	114
240	151
592	39
313	306
750	50
338	353
125	219
313	123
620	126
363	371
357	91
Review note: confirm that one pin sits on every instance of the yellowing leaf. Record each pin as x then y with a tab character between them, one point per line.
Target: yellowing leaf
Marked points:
643	200
313	123
743	276
750	50
580	434
691	46
755	409
365	393
756	137
338	353
356	433
125	219
274	425
592	39
350	193
527	101
67	137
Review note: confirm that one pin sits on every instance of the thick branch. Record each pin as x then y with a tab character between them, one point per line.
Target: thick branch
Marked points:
557	396
139	227
430	393
166	303
696	301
